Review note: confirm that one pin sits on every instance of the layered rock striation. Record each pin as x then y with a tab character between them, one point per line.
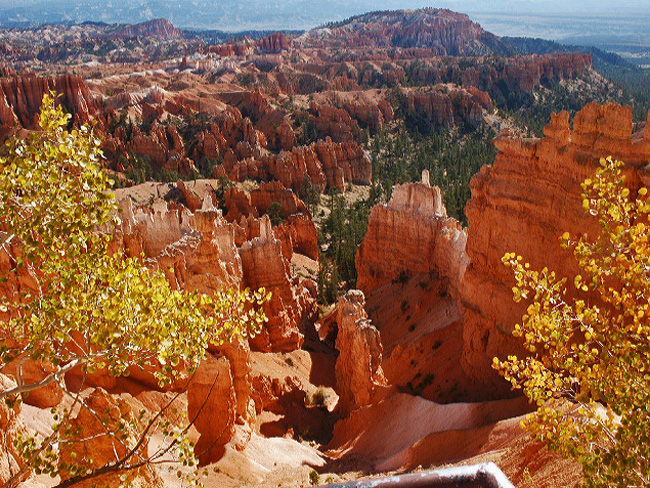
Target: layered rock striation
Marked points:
21	98
411	234
522	204
275	43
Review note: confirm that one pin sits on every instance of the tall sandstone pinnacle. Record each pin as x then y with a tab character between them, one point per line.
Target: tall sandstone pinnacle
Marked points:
358	367
411	234
523	204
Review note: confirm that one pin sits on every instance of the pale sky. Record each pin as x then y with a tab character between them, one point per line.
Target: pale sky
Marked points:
234	15
528	6
515	6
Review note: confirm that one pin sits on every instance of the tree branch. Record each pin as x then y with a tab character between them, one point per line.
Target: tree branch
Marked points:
120	465
16	478
48	380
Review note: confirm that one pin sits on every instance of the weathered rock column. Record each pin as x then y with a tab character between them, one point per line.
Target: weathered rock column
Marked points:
358	367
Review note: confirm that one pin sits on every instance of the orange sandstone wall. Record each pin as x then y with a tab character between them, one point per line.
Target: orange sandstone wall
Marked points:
522	204
21	98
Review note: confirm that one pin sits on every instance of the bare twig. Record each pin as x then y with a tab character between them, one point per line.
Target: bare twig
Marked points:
120	465
48	380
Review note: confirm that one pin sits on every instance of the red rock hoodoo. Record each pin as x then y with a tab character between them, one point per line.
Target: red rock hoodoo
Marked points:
523	204
358	367
411	234
21	98
325	163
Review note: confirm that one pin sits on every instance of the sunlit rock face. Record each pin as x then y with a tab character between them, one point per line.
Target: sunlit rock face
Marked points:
523	204
21	98
411	234
358	367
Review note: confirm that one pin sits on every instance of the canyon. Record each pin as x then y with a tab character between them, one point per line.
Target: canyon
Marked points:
229	159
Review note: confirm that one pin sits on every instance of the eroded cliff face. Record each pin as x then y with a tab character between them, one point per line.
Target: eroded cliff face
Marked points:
257	202
447	105
410	266
411	234
360	68
324	163
157	28
522	204
274	43
195	251
21	98
211	400
372	404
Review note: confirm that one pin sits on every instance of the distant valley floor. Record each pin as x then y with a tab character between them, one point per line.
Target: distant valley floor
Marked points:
628	36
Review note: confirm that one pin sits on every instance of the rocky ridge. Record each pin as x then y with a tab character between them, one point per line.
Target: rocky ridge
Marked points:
157	28
443	31
255	133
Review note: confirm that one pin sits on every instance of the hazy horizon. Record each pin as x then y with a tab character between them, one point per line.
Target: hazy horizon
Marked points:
580	22
290	14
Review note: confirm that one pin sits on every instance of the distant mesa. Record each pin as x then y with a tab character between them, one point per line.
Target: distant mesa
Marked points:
441	30
160	28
